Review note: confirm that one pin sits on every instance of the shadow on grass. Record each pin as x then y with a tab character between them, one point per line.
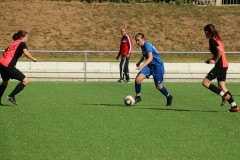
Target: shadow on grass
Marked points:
180	110
6	105
162	109
105	104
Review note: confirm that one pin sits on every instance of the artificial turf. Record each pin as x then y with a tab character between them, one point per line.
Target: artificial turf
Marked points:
88	120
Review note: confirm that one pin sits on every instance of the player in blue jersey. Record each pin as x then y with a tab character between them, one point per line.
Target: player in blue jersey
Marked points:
152	66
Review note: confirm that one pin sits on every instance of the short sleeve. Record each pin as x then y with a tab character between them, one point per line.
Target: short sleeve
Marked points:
23	45
213	44
148	47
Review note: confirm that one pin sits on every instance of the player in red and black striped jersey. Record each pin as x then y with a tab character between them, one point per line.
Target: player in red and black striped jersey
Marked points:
219	71
8	62
125	53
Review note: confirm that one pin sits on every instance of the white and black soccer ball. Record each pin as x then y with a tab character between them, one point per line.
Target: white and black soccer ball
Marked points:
129	100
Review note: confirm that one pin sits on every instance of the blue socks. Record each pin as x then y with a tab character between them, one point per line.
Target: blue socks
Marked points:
138	89
164	91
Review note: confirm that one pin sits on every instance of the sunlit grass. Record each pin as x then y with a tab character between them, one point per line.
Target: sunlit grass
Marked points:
88	120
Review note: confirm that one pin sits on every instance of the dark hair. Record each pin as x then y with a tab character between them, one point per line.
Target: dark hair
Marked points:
212	31
141	35
20	34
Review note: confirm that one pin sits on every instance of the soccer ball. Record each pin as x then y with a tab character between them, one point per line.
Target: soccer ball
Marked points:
129	100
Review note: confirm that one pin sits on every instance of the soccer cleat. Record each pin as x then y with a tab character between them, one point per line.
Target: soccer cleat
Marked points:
120	80
225	98
169	100
12	99
234	109
127	81
137	99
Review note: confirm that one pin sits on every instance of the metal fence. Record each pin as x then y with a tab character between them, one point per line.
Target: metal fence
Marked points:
138	52
230	2
217	2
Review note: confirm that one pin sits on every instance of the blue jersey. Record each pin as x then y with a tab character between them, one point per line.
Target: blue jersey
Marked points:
148	47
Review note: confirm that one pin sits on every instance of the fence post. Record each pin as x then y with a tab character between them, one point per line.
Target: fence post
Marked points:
85	66
218	2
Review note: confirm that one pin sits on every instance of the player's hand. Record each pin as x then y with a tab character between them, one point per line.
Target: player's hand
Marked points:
211	61
207	61
34	60
117	57
139	67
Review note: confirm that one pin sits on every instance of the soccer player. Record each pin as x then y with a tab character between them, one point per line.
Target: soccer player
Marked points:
219	71
152	66
125	53
8	62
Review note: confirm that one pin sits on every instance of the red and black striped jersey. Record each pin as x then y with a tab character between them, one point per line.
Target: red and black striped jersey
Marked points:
213	44
12	53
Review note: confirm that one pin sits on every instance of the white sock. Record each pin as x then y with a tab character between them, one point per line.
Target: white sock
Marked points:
221	93
233	104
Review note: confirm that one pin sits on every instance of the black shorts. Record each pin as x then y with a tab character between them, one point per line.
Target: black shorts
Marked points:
219	73
11	72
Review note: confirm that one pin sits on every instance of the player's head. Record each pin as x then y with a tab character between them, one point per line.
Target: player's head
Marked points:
139	38
123	31
211	31
22	35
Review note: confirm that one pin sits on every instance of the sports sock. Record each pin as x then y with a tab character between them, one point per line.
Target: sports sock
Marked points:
2	89
138	89
17	89
164	91
228	93
215	89
231	100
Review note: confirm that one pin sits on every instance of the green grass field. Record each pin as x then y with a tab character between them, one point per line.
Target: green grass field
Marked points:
88	120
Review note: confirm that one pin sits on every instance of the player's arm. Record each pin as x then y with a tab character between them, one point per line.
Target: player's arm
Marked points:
27	54
129	47
140	61
214	44
119	53
219	54
150	58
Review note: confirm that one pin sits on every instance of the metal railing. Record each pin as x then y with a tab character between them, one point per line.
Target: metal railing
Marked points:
216	2
138	52
230	2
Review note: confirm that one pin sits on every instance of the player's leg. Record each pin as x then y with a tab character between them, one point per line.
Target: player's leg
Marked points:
138	86
126	71
144	73
16	74
3	87
158	74
121	67
4	84
214	73
222	86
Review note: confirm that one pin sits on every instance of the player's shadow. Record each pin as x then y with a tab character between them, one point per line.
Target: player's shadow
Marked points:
179	110
159	109
6	105
106	104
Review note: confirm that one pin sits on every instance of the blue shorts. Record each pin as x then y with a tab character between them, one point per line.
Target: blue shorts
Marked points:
156	71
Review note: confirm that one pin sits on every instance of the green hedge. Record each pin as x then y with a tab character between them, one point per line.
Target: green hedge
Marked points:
133	1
